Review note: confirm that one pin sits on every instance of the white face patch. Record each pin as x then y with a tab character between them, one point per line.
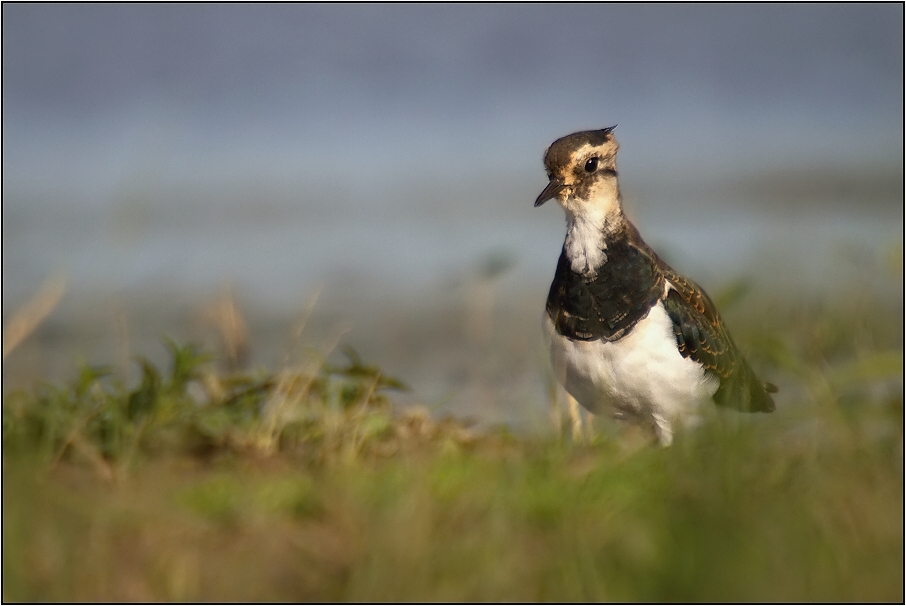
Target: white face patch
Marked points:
583	153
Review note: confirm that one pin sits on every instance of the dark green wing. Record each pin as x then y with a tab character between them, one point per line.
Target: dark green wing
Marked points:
701	335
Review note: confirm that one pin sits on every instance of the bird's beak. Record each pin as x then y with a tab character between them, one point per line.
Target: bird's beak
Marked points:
553	188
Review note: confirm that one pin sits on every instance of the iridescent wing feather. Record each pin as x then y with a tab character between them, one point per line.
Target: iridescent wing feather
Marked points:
701	335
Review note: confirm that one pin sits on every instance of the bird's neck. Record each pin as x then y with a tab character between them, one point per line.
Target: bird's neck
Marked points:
589	226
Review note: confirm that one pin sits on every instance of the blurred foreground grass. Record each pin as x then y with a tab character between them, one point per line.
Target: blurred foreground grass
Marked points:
308	485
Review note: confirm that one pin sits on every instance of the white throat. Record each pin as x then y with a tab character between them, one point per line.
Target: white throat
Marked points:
585	245
588	224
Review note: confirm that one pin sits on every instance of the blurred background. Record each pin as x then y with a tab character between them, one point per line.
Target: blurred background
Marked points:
214	172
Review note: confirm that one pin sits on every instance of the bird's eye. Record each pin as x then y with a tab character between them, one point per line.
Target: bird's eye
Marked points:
591	165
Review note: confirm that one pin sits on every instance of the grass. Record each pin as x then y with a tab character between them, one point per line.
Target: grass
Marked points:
307	484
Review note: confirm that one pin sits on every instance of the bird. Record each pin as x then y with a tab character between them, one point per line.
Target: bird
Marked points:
630	337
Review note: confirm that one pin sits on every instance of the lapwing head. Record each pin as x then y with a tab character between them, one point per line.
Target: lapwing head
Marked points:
582	168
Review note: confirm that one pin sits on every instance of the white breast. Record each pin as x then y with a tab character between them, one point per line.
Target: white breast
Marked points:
641	377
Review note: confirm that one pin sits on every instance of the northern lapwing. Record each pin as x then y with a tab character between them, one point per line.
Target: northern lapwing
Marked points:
629	336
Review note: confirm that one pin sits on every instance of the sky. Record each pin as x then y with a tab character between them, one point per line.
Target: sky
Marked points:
265	87
197	143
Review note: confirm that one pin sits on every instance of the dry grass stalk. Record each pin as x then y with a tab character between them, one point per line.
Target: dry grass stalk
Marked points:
293	385
32	313
230	323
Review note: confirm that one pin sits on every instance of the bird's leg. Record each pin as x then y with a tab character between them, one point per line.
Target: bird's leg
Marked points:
663	430
575	417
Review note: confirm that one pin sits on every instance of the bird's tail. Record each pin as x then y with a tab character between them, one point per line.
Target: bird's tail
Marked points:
744	391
